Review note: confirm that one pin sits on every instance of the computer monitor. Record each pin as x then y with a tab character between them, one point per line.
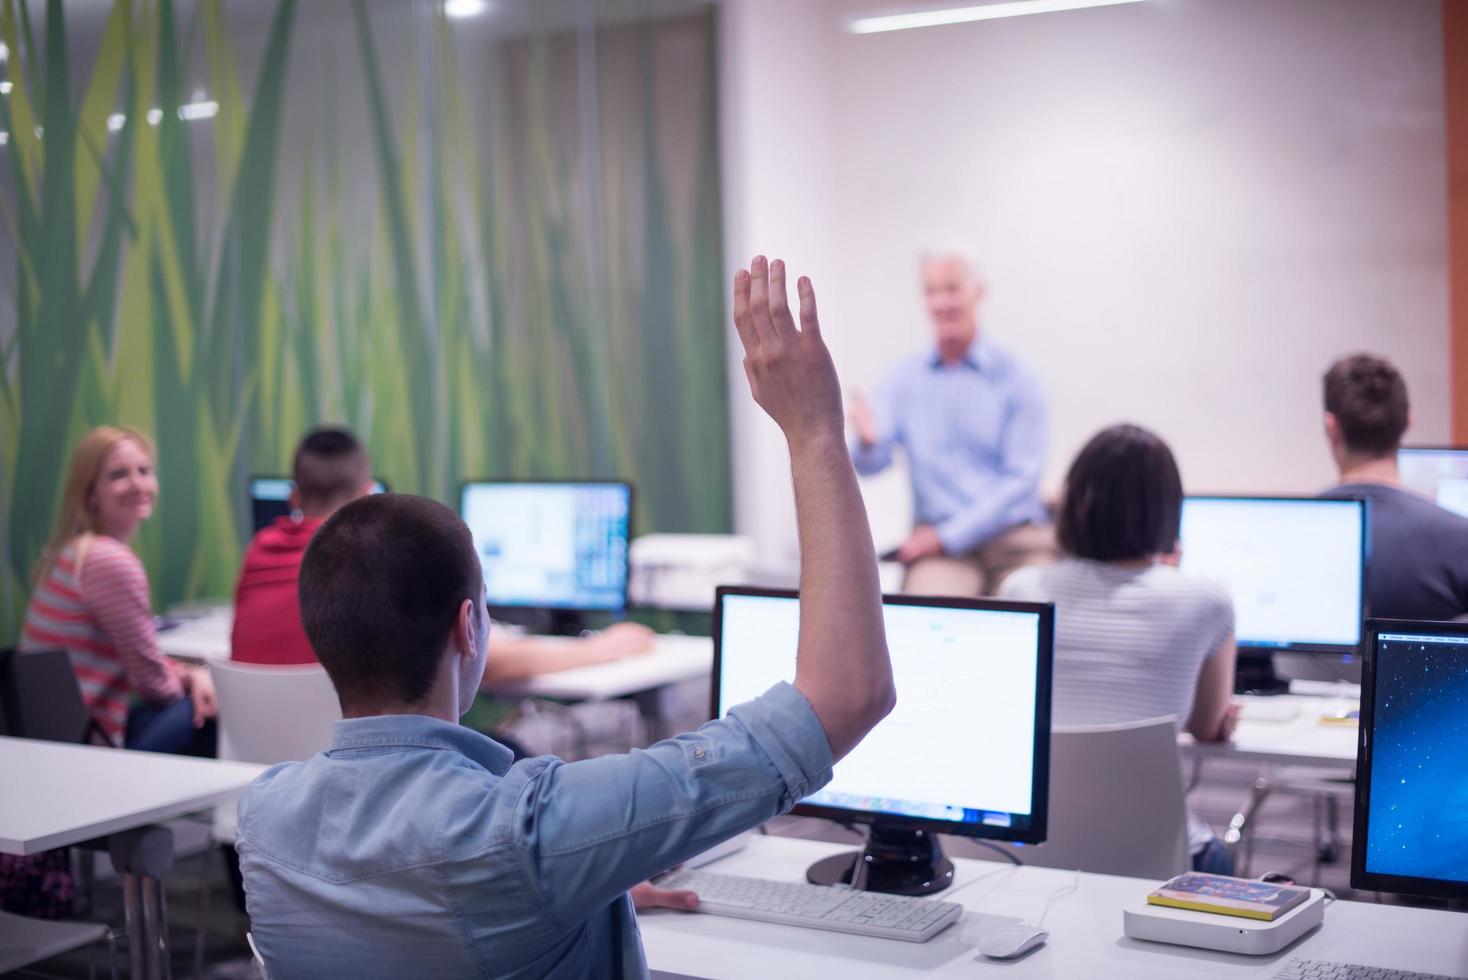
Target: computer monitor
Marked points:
556	546
1295	567
270	498
1437	472
966	751
1411	828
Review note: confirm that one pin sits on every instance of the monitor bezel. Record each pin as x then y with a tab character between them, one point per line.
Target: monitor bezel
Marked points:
1377	880
255	523
254	478
496	608
1352	650
1037	825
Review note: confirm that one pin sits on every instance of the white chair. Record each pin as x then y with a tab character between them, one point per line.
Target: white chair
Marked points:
1116	801
269	715
25	941
255	955
266	715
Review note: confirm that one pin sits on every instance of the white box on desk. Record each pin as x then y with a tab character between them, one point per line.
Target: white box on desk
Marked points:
1226	933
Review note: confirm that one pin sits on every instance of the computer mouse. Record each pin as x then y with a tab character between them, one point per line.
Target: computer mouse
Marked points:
1011	941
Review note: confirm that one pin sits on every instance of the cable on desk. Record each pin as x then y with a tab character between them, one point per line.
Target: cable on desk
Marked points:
1062	891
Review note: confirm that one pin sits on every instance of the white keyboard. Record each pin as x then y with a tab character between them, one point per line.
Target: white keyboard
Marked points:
1321	970
914	920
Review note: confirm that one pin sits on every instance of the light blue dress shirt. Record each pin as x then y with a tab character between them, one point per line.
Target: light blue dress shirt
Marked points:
413	848
974	433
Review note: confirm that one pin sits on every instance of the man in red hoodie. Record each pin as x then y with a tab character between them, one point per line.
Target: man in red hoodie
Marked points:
330	469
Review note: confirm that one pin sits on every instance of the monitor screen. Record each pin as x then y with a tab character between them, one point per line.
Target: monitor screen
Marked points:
270	499
1412	777
966	751
1440	474
551	545
1294	566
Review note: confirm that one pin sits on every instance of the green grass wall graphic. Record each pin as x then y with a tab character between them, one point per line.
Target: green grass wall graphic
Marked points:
508	301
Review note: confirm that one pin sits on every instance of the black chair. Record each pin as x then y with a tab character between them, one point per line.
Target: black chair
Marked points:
40	697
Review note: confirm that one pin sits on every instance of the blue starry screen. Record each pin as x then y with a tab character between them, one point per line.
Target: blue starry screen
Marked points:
1418	817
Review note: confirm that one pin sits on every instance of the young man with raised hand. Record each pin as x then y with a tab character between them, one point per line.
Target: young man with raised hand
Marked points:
413	847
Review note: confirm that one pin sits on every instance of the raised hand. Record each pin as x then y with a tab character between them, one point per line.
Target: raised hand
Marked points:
790	371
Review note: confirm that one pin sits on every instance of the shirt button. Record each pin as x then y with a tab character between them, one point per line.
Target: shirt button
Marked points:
699	753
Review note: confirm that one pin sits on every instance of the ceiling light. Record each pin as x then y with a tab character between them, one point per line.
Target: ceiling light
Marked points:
4	53
4	137
459	9
5	87
115	122
154	117
198	110
965	15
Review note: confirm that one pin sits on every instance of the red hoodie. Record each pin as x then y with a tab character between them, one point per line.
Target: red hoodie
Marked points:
267	608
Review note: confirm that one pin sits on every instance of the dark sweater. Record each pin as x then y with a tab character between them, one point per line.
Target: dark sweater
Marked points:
1419	555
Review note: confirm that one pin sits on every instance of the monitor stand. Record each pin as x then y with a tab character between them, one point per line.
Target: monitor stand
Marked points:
896	860
1255	674
552	622
566	622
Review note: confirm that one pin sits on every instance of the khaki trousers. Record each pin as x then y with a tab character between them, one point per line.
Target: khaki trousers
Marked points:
980	572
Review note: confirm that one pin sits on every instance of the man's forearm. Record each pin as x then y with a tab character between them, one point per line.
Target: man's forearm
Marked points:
843	667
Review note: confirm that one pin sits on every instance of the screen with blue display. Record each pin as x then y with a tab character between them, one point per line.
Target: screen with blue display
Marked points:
551	545
270	499
1417	824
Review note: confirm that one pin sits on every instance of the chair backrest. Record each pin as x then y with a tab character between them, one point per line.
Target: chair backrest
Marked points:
1116	801
40	697
273	714
255	955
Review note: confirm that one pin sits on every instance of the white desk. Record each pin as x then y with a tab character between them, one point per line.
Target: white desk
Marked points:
673	659
1086	940
1287	730
55	795
202	639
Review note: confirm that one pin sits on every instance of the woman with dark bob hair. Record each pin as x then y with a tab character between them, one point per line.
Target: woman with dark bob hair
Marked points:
1135	638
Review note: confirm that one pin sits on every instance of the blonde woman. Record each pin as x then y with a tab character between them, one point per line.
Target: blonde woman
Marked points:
91	599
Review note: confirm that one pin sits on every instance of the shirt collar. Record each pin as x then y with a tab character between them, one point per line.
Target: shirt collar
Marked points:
979	357
420	731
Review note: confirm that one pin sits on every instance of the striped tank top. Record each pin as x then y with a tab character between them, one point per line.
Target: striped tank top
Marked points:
102	616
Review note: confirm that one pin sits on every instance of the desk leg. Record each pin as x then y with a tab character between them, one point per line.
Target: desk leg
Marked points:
155	927
144	856
132	911
650	705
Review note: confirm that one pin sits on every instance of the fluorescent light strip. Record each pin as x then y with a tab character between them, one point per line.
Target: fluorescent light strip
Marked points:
965	15
188	112
460	9
5	87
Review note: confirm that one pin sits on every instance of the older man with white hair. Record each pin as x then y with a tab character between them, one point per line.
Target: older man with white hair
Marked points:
971	419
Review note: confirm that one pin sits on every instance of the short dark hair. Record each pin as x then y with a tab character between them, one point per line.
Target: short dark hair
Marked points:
1368	398
1123	498
329	468
380	587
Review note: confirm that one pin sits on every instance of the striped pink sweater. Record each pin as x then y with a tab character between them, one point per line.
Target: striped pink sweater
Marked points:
104	619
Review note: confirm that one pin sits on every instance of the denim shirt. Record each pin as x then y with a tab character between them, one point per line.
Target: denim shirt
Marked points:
413	847
974	433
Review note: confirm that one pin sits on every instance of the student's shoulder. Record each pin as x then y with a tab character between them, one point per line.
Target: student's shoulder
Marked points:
108	561
1028	584
1173	585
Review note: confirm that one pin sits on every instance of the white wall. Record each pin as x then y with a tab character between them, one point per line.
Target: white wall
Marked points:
1184	208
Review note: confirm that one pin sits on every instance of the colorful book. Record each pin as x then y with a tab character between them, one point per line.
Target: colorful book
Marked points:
1228	896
